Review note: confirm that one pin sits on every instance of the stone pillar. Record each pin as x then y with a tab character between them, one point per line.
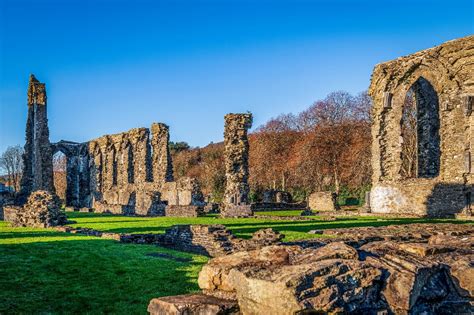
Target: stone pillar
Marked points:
161	158
141	154
38	157
236	155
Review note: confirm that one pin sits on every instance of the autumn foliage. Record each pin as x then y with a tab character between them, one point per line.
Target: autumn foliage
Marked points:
327	146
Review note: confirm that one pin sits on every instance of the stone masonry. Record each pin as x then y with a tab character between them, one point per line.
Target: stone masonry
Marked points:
38	158
131	173
125	173
323	201
236	154
442	83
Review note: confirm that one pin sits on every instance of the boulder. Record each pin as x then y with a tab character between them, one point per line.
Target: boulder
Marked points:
326	286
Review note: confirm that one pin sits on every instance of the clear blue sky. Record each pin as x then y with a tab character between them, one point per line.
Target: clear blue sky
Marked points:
114	65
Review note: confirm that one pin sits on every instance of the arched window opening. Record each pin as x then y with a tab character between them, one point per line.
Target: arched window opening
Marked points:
420	146
60	175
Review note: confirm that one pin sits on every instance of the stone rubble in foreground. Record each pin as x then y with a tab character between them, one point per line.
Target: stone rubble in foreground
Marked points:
407	269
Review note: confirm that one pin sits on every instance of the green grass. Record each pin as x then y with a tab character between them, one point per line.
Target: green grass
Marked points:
43	272
47	272
242	227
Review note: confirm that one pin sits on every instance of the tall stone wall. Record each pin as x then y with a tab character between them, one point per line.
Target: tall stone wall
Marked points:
38	158
442	79
236	155
131	173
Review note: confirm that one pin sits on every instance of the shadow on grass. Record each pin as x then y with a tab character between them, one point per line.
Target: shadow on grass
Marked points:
91	276
30	234
304	227
246	228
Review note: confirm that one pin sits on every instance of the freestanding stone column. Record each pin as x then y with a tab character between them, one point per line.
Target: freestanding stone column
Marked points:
162	166
236	157
38	157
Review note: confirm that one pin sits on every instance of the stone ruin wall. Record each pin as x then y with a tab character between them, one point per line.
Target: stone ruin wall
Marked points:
126	173
38	158
236	155
132	173
449	68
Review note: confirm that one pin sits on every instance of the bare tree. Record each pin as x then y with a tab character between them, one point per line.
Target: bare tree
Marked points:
11	163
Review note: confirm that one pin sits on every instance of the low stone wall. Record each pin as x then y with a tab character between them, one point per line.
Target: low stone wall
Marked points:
183	211
237	211
272	206
209	240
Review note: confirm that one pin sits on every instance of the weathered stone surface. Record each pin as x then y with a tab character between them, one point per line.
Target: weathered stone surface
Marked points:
38	157
323	201
214	240
41	210
327	286
192	304
440	80
126	173
391	275
236	155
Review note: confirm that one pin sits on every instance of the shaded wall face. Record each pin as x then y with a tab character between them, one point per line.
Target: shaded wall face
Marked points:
440	81
38	157
428	129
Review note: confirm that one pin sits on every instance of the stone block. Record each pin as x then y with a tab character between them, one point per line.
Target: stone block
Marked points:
323	201
193	304
236	211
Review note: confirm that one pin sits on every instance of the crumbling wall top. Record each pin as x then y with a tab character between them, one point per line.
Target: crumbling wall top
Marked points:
443	65
36	92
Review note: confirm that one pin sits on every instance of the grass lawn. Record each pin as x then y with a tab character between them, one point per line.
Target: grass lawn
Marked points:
44	271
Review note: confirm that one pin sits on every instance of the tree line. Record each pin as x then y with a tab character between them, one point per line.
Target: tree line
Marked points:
325	147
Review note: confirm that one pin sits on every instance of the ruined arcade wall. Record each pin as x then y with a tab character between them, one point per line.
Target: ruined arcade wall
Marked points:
449	69
129	169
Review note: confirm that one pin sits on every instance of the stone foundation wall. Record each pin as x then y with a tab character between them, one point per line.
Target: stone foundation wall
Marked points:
214	240
270	206
420	197
183	211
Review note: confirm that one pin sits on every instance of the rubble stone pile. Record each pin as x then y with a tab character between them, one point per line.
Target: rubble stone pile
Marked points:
42	209
430	273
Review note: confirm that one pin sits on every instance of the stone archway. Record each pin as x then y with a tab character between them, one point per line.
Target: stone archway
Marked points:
77	172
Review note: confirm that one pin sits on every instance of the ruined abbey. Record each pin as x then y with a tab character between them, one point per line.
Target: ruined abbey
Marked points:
422	158
126	173
422	144
130	172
